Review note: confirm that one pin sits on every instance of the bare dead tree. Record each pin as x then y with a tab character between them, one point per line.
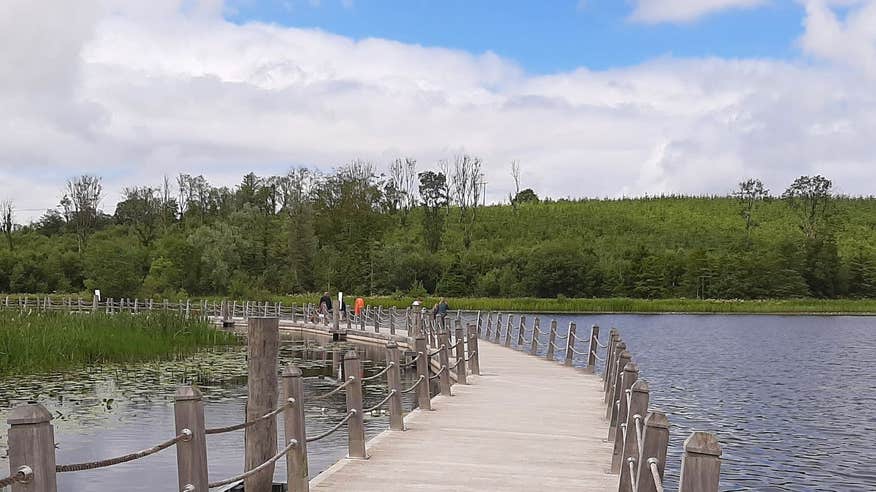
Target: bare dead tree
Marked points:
7	220
82	196
466	191
515	173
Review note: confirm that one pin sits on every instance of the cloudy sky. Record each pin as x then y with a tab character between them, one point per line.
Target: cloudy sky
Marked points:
593	97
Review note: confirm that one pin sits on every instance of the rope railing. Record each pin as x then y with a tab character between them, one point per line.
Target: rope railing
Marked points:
271	461
456	364
381	373
600	359
382	402
631	464
471	355
23	475
413	361
185	435
415	385
332	392
655	473
443	368
244	425
334	427
572	348
437	351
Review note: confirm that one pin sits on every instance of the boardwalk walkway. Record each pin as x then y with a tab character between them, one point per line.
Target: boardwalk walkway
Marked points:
525	424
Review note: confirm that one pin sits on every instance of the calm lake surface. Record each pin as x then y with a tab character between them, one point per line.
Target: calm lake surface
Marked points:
792	400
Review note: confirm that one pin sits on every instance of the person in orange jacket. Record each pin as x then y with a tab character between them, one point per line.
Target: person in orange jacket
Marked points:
358	306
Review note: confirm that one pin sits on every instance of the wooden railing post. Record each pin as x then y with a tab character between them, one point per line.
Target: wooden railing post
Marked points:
94	303
626	446
297	475
424	397
508	325
393	380
355	426
570	343
654	446
478	324
444	378
552	340
461	375
31	441
521	330
191	453
498	334
613	338
262	349
533	348
592	349
619	413
489	325
622	359
362	314
700	464
473	351
613	371
392	320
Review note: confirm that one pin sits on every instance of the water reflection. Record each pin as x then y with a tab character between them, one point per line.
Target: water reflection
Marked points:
110	410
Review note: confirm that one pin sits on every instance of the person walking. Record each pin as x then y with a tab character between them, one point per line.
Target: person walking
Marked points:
325	304
358	306
442	311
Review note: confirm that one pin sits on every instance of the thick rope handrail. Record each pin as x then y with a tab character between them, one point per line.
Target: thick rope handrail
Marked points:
572	348
437	351
471	355
655	474
639	431
600	359
443	368
334	427
23	475
556	347
456	364
237	478
603	345
382	402
185	435
243	425
339	388
561	337
527	341
631	463
415	385
413	361
381	373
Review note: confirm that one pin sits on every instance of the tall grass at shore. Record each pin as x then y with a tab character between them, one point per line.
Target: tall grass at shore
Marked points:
38	342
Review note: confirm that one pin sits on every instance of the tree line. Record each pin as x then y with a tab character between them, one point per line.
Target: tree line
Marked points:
418	231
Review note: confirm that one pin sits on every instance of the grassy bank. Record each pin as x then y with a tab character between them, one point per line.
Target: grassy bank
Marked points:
39	342
625	305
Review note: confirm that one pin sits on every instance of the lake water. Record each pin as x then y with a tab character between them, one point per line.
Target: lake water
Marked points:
112	410
792	399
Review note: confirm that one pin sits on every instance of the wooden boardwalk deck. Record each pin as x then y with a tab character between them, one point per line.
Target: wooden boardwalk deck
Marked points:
525	424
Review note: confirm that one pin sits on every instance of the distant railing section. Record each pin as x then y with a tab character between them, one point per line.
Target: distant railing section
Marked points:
640	436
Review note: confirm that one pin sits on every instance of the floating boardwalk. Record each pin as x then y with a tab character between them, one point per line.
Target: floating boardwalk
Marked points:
524	424
528	421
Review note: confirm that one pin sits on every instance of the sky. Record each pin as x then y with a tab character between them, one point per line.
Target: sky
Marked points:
597	98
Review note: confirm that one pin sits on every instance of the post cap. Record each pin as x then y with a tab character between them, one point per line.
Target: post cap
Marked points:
30	413
657	419
621	345
640	386
631	366
625	354
351	354
391	344
187	393
702	443
291	371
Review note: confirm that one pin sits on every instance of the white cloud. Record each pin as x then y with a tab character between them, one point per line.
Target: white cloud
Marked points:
679	11
850	41
133	93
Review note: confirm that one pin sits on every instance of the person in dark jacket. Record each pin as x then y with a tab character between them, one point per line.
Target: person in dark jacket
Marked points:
325	303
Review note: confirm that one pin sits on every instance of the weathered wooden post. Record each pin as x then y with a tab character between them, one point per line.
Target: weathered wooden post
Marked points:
293	313
262	349
32	449
533	348
94	303
552	341
392	320
619	409
461	376
508	330
655	442
393	380
489	325
700	463
362	313
444	377
609	356
570	343
418	323
424	398
297	475
614	370
478	323
349	319
191	452
473	351
521	330
626	446
498	328
355	426
591	352
336	318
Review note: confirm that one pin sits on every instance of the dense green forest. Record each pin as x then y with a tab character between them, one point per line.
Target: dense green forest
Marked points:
427	231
